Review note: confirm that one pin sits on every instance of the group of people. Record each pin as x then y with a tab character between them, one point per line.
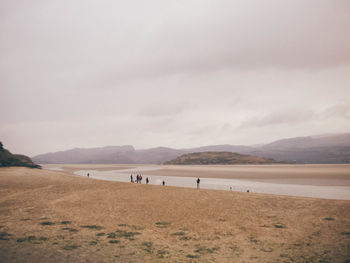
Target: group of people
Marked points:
138	179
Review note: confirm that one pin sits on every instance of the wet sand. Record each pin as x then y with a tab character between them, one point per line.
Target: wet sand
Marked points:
309	174
54	216
311	183
318	175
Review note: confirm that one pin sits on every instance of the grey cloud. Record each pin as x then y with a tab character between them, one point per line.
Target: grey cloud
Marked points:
279	117
291	116
183	38
340	110
172	73
162	108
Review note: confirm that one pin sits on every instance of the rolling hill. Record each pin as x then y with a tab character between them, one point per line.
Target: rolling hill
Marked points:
310	149
219	158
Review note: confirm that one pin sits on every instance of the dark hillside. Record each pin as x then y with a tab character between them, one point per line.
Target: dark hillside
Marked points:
9	159
219	158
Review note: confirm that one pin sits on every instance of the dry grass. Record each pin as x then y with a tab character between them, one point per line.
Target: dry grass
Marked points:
146	223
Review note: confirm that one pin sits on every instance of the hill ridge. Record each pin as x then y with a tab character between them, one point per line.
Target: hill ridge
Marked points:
226	158
307	149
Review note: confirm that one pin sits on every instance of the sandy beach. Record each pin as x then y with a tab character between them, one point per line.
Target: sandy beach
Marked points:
55	216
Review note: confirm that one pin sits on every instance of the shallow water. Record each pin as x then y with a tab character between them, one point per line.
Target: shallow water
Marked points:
54	168
328	192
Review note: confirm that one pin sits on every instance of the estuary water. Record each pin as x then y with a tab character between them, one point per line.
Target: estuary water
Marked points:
302	190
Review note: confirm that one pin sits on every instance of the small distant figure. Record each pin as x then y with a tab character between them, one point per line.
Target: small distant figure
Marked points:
163	183
137	179
140	178
88	175
147	181
230	188
131	179
198	181
248	191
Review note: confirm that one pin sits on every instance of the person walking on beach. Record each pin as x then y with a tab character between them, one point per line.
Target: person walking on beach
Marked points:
163	183
147	181
88	175
140	178
137	179
198	181
131	179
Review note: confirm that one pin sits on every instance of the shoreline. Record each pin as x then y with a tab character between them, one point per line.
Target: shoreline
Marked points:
277	173
292	190
305	182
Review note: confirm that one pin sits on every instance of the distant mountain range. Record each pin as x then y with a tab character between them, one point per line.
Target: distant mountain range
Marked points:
8	159
311	149
204	158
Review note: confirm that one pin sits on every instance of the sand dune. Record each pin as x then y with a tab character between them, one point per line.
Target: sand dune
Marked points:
53	216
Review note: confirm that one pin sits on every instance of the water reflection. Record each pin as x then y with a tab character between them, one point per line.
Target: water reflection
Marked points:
328	192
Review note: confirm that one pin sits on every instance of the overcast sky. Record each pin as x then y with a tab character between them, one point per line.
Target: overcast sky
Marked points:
171	73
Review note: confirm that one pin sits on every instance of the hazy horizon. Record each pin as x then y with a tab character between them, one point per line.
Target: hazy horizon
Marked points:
183	148
177	74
